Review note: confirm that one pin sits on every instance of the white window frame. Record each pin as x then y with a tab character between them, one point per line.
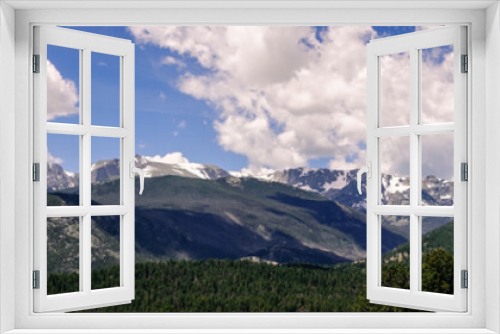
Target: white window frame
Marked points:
86	44
484	50
413	43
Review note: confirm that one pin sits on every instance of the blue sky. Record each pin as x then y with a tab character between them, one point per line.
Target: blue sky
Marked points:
167	118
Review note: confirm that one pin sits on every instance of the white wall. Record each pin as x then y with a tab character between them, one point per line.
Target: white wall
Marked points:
7	186
492	167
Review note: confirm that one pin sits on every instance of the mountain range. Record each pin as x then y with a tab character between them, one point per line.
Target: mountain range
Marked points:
338	185
197	211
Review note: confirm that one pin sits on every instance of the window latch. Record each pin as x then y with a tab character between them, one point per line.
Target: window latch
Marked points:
361	171
133	170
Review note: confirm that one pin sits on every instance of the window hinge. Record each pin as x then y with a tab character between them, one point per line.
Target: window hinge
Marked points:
465	279
36	279
464	172
465	64
36	63
36	172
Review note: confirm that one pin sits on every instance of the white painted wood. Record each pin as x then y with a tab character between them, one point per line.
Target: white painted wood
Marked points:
414	298
492	275
419	129
76	129
7	167
86	298
244	4
406	210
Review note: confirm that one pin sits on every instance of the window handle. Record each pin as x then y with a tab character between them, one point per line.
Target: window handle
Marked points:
361	171
133	171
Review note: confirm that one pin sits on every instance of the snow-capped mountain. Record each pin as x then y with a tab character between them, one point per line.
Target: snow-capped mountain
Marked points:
341	185
58	178
189	169
338	185
107	170
320	180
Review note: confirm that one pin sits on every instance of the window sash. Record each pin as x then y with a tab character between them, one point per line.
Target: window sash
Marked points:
413	298
86	297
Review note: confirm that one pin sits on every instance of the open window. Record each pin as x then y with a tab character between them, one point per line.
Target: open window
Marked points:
402	124
65	236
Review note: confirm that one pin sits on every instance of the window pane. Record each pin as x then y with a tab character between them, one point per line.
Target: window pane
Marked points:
105	90
437	96
437	254
395	89
63	81
63	255
437	169
105	252
395	170
396	262
63	167
105	171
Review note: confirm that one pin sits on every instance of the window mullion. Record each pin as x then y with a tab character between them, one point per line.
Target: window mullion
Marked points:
86	245
414	170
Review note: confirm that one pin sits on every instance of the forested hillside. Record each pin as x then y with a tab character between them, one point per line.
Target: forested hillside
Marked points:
244	286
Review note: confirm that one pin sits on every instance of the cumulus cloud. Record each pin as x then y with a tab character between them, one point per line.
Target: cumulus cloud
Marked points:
169	60
53	160
286	97
62	95
169	158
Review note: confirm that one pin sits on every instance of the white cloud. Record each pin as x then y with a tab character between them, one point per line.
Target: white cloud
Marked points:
173	61
285	98
62	95
169	158
53	160
162	96
175	133
181	125
101	63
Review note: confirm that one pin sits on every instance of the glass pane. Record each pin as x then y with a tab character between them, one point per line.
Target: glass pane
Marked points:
105	90
396	262
105	252
437	95
105	171
437	254
63	255
63	81
395	170
395	89
437	169
63	166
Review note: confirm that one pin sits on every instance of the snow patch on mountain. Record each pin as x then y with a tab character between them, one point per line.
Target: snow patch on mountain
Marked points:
394	183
